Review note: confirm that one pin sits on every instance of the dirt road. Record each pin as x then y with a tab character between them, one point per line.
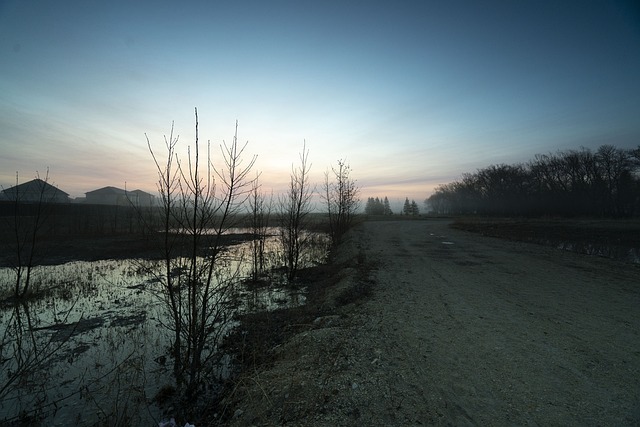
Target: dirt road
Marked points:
461	330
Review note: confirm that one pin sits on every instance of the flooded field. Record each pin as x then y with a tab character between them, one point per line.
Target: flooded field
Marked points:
92	346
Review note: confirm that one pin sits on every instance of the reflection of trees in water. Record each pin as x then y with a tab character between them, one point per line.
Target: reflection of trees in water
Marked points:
90	316
44	367
95	327
25	354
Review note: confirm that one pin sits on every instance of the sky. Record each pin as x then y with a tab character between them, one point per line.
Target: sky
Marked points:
411	94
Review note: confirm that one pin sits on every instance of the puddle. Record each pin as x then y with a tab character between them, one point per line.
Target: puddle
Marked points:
100	328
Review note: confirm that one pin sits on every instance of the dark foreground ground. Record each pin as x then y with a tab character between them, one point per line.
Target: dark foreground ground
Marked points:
426	323
458	329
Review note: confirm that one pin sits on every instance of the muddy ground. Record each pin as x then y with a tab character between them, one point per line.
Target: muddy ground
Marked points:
458	329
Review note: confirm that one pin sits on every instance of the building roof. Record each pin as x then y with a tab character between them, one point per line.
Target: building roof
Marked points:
33	187
114	190
141	192
106	190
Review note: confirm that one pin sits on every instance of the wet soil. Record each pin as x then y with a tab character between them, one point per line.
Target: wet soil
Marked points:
62	249
457	329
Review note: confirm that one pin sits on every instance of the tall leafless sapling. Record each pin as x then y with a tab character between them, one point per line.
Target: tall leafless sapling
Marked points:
199	202
259	216
341	197
294	208
27	226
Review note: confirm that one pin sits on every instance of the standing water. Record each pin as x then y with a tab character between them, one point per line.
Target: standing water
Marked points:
93	346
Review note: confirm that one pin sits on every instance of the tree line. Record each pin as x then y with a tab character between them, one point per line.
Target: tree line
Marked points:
604	182
375	206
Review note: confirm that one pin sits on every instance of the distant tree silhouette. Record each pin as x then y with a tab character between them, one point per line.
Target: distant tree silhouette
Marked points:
406	209
375	206
575	182
414	210
386	207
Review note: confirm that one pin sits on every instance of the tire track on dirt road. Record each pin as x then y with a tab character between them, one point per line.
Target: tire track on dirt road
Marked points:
489	332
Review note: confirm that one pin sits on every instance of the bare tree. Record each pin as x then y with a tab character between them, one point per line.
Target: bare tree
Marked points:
260	213
341	197
573	182
294	208
199	203
615	167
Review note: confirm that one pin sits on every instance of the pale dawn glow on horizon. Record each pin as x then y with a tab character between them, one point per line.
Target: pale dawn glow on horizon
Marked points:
412	94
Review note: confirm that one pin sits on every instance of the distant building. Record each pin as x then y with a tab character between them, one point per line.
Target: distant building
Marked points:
119	197
106	196
141	198
35	191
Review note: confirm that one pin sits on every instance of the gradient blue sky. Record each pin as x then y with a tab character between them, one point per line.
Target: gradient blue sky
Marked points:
410	93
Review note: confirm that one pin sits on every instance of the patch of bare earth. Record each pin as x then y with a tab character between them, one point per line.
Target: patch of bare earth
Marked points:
460	329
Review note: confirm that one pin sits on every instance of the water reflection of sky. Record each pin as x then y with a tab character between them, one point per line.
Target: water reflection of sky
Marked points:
103	323
101	329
